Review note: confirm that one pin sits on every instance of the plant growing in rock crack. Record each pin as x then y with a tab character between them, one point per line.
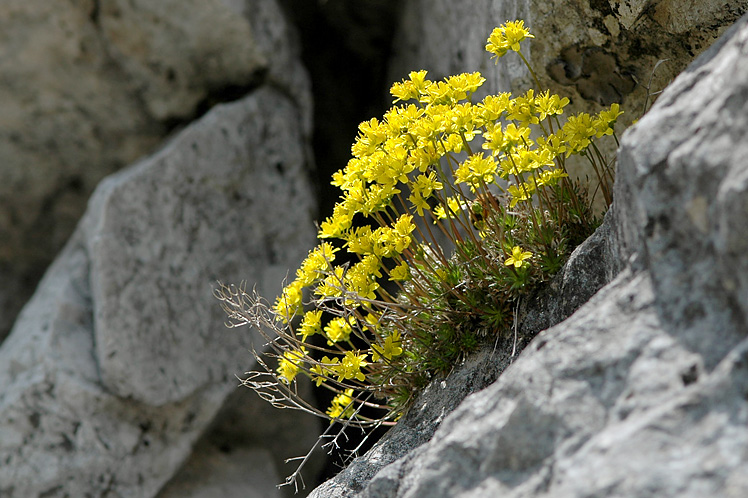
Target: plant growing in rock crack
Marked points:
489	178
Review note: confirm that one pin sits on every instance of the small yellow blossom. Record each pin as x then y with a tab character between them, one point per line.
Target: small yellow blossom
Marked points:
341	406
337	224
323	370
288	304
338	329
290	364
515	136
350	366
577	132
391	349
507	37
400	272
493	106
603	123
476	169
311	324
549	105
523	109
518	257
332	285
316	264
466	82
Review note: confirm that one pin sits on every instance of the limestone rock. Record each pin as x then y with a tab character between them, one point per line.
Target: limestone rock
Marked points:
643	390
121	361
593	52
242	474
238	456
90	86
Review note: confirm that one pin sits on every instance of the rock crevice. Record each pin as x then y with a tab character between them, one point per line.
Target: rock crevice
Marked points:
641	390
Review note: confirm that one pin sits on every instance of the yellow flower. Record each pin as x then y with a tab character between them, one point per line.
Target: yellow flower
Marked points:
523	109
404	225
531	160
515	136
311	324
476	169
454	206
577	132
466	82
341	406
551	176
419	203
392	348
494	138
324	369
338	329
400	272
507	37
360	240
453	143
371	134
332	285
493	106
497	44
520	193
552	144
360	279
403	91
549	105
441	92
316	263
518	257
603	123
427	184
350	366
289	302
515	32
290	364
339	222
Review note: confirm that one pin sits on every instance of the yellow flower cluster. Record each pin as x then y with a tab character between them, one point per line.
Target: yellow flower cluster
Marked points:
341	406
404	166
507	37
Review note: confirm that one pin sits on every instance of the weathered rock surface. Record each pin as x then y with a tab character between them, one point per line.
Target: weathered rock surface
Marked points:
593	52
121	361
91	86
643	391
239	455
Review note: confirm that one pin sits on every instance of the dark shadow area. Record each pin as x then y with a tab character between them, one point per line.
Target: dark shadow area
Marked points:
346	48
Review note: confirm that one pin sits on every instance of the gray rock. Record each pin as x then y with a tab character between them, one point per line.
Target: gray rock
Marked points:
593	52
245	473
224	461
89	87
643	390
121	361
143	235
380	471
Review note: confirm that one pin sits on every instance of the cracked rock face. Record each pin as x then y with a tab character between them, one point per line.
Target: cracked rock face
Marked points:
121	360
643	391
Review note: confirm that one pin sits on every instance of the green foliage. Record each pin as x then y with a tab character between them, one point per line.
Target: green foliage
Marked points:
451	210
